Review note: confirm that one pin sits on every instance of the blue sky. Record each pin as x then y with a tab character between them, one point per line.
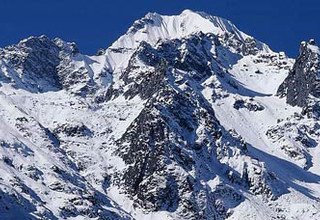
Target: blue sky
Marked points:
95	24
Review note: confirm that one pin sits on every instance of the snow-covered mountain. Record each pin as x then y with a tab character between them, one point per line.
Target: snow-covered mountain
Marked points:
183	117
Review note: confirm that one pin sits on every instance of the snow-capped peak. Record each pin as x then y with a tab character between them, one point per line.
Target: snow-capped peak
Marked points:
154	27
33	39
310	45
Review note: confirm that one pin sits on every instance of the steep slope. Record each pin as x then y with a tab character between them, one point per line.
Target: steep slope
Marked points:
301	88
178	119
304	79
38	178
282	136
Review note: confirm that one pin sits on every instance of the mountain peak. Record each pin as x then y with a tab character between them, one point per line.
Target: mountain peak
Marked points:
44	42
186	23
34	43
155	27
33	39
311	45
303	79
68	47
188	11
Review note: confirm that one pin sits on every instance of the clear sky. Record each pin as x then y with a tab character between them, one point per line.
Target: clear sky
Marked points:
95	24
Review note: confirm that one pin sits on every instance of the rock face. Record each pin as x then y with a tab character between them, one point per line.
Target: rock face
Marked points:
33	63
304	78
39	64
300	88
176	130
175	120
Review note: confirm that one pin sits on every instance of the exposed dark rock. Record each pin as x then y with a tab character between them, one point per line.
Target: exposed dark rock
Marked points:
8	161
251	105
303	80
73	130
38	58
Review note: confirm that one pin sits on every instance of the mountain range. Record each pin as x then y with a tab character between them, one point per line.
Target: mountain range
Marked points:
183	117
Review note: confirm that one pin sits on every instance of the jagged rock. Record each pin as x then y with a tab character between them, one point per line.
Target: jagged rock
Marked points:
8	161
251	105
73	130
304	79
